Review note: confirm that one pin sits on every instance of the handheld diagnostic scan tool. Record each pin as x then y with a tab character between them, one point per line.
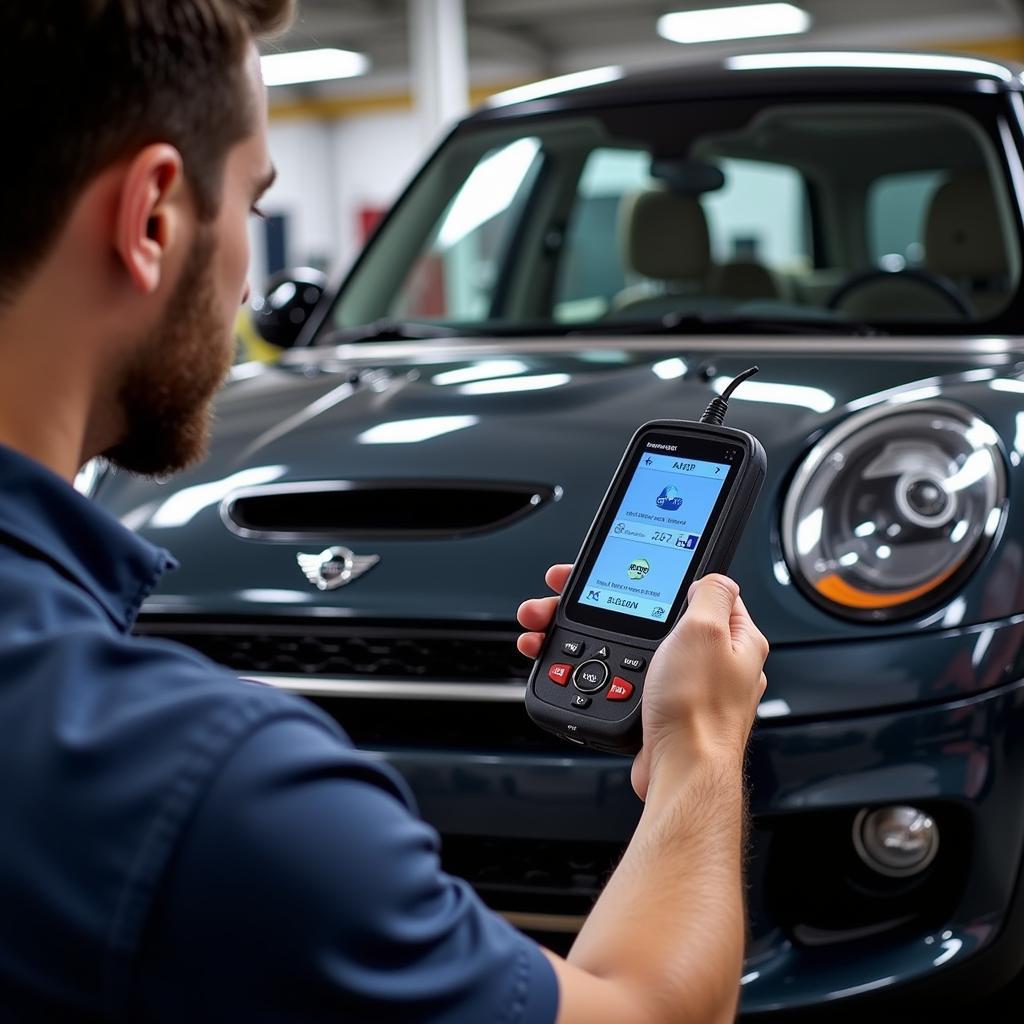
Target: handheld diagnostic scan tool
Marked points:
674	511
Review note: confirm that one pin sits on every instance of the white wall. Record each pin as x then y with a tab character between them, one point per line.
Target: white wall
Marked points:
327	172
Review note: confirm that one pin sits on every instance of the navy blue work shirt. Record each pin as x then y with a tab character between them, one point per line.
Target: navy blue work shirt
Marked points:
178	845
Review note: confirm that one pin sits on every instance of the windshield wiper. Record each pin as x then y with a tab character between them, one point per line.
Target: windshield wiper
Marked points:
711	323
390	330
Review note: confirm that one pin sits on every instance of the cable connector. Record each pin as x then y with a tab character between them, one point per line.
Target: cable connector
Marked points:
718	407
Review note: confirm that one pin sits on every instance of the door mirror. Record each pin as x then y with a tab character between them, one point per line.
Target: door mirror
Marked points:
291	296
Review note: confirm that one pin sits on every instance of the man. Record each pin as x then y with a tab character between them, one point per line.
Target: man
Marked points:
178	845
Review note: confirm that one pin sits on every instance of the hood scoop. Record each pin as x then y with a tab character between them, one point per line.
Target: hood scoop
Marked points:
388	509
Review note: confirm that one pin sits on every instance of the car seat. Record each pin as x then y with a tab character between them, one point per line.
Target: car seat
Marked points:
665	239
964	241
743	279
965	255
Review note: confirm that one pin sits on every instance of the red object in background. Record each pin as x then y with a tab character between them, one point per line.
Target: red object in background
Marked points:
369	218
425	286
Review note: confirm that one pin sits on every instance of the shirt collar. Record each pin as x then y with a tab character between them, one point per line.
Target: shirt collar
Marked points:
43	513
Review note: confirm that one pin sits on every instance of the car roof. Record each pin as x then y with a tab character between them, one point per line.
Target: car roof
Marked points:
792	72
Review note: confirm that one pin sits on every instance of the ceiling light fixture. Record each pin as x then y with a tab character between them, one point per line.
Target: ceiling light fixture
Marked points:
746	22
312	66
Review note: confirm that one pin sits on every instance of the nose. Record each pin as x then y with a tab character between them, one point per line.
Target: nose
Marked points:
247	292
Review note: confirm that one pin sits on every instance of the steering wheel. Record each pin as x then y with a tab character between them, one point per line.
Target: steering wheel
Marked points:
946	288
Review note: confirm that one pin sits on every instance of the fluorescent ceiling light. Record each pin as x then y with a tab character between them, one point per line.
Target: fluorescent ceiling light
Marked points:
842	59
781	394
414	431
551	86
508	385
482	371
1013	386
312	66
746	22
181	508
670	369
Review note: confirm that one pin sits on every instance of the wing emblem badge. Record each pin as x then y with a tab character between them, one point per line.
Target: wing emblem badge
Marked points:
335	567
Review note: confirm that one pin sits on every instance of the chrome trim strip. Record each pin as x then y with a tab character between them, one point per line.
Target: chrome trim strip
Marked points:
566	924
425	352
395	689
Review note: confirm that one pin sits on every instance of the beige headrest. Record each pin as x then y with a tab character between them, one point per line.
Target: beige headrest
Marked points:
664	236
963	236
743	279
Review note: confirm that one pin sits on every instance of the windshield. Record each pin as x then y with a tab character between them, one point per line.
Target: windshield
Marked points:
887	213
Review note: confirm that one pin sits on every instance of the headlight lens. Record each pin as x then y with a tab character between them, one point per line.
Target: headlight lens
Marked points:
891	510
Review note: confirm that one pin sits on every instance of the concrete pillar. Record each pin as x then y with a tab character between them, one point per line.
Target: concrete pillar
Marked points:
440	65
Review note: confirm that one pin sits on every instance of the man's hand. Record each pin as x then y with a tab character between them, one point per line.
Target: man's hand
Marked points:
664	942
536	614
705	681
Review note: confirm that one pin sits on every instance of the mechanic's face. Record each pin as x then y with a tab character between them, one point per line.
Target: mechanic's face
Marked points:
167	391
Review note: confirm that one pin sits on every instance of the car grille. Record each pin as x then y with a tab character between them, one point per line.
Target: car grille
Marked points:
350	650
388	654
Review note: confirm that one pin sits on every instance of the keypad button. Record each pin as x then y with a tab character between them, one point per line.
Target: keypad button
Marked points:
579	701
574	648
560	674
602	653
591	676
633	663
621	689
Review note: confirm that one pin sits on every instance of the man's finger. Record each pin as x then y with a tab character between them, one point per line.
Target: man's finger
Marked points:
537	613
530	644
557	576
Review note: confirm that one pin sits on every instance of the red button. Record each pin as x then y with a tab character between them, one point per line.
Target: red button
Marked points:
560	674
621	689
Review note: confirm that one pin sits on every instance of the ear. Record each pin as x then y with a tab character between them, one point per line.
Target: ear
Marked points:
150	214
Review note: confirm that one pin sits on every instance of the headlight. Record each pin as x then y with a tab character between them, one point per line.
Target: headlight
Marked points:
890	511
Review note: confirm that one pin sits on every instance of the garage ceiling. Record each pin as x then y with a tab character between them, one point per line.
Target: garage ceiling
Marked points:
543	37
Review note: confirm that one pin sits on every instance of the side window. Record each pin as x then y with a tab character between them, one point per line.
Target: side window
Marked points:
455	276
897	205
591	271
761	215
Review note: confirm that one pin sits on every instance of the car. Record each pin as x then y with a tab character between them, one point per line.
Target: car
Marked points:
569	264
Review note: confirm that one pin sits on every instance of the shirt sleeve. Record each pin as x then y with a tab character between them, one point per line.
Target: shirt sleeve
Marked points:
305	890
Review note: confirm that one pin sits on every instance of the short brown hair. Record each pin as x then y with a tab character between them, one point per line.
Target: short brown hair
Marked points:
85	82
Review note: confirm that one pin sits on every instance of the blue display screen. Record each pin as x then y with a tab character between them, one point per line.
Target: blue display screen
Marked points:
654	536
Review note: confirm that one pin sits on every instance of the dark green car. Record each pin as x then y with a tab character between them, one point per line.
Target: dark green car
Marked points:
573	263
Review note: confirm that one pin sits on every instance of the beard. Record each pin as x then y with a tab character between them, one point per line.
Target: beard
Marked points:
167	390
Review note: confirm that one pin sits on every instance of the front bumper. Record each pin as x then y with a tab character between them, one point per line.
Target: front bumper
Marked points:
963	761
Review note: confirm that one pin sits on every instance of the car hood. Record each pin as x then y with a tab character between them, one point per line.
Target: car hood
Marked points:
456	421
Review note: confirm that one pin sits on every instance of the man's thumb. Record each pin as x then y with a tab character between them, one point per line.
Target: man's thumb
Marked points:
713	598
